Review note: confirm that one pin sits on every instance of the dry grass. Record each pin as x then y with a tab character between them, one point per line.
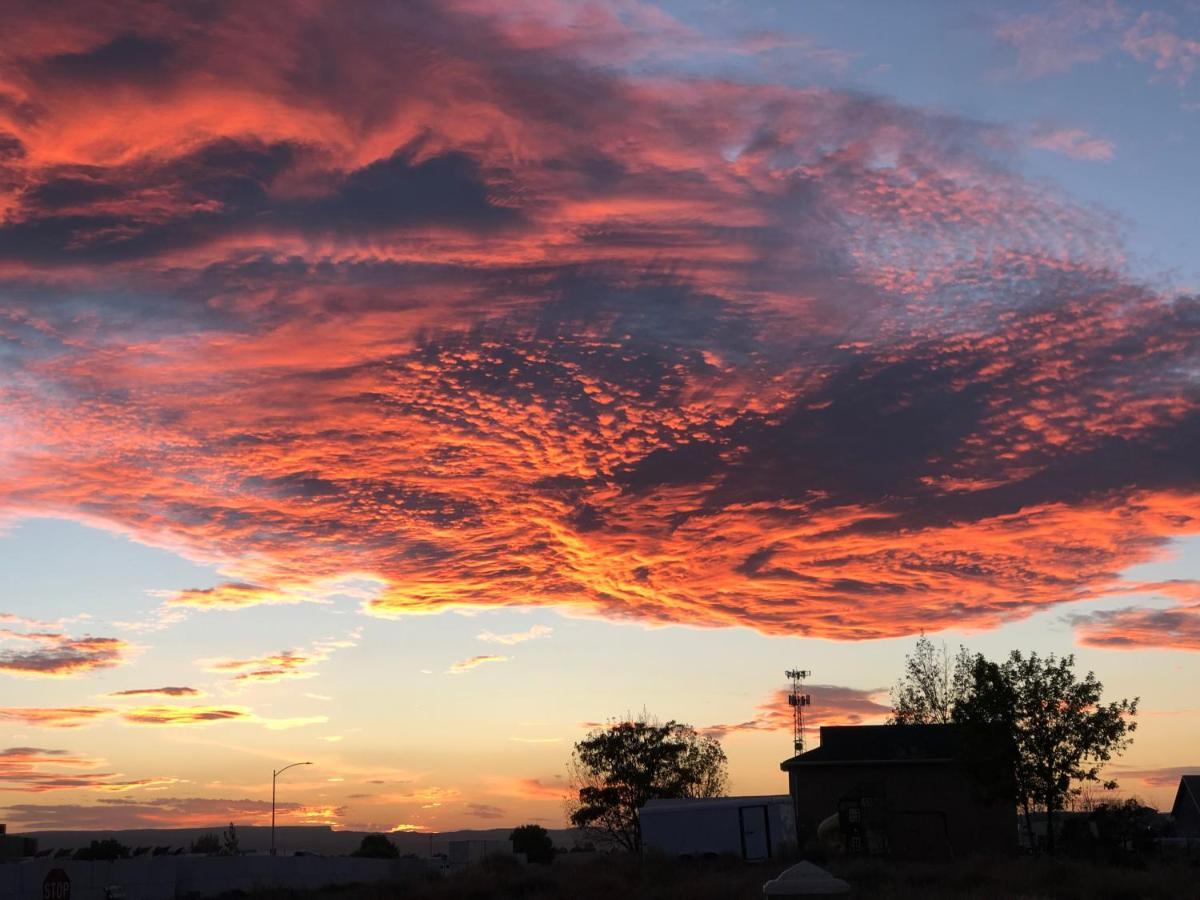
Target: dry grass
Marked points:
622	878
1022	879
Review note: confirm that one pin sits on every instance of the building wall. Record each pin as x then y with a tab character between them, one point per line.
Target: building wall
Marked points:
166	877
1187	820
14	846
932	809
467	853
710	827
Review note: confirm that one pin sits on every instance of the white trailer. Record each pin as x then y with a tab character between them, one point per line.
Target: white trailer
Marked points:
753	828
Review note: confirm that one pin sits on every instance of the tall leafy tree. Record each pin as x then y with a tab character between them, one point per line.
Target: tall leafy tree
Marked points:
934	683
1056	732
617	769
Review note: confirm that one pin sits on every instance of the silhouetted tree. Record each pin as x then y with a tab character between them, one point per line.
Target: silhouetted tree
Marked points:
229	841
1040	730
107	849
534	841
207	843
934	683
377	846
1112	832
616	769
987	733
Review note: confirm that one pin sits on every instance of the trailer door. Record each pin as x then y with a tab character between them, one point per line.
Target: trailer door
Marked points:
756	833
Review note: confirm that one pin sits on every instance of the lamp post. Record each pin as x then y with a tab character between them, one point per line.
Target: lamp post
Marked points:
275	774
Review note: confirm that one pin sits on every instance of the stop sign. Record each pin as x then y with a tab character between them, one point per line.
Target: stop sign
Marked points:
56	885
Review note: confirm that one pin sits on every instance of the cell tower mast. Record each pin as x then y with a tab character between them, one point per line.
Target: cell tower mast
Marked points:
797	700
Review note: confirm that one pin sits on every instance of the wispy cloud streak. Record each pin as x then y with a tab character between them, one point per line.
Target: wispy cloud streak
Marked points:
474	662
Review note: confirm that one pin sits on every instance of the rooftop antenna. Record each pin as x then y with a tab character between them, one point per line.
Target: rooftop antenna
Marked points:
797	700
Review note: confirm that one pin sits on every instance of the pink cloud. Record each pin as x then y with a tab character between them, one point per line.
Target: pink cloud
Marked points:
1068	33
831	705
54	717
37	770
1073	142
1064	34
473	662
1155	38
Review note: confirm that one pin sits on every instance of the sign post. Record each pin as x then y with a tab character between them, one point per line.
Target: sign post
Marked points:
56	885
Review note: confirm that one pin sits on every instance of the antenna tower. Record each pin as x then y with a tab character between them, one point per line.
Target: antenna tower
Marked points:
797	700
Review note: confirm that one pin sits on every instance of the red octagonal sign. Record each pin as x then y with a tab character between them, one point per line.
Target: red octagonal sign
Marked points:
56	885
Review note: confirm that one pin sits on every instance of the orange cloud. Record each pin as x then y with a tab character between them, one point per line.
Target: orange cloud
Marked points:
184	715
286	664
272	667
230	596
425	798
121	787
695	350
533	788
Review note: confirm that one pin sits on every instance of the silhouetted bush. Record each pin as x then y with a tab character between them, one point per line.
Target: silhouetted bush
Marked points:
207	843
107	849
535	842
377	846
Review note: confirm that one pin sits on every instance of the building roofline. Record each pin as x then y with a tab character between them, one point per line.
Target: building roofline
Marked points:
661	804
797	762
1185	787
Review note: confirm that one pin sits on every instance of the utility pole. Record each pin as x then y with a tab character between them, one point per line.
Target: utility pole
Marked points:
275	774
797	700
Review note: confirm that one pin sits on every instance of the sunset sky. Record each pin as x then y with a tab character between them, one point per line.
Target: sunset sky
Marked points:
409	386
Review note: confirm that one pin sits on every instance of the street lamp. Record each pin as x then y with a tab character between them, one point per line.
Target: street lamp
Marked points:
274	775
